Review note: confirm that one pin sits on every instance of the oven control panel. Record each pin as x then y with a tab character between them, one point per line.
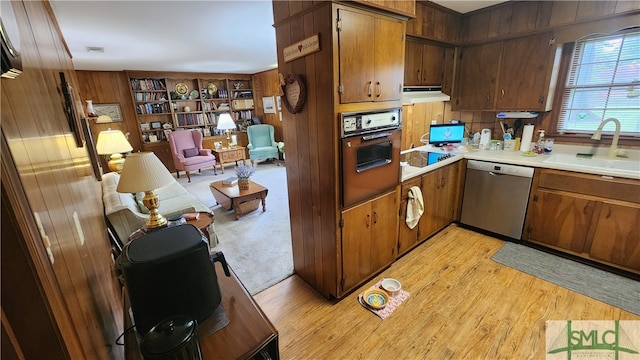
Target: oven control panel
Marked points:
364	122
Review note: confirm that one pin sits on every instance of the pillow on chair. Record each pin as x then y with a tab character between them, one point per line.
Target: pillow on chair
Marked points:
191	152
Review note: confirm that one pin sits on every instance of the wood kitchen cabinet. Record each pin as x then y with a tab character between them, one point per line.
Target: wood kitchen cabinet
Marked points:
378	75
369	238
424	64
506	75
163	152
441	189
587	215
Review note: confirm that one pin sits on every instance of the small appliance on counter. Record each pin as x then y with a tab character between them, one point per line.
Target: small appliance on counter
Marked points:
169	272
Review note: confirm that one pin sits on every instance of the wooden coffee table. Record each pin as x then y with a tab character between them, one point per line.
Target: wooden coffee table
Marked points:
241	201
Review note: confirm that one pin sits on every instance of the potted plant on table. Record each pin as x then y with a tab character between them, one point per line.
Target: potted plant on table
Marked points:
243	173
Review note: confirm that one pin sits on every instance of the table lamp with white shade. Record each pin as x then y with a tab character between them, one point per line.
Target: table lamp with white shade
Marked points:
113	143
225	122
143	171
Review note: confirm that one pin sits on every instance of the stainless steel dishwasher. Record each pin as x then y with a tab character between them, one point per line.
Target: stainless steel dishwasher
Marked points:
496	196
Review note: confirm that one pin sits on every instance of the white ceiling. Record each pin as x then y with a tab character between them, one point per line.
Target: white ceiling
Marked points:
211	36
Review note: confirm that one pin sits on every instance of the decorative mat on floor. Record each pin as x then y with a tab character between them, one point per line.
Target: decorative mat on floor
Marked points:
394	302
601	285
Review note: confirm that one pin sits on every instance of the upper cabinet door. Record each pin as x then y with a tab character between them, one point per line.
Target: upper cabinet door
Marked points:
478	76
389	59
355	46
523	80
412	63
370	52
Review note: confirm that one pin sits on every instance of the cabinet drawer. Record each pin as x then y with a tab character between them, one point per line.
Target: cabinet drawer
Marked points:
231	155
588	184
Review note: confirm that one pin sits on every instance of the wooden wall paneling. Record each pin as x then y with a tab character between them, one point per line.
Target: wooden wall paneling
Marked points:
58	182
624	6
544	14
266	83
524	16
478	26
593	9
109	87
563	12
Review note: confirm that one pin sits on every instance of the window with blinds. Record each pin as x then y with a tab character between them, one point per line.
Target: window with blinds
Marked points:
603	82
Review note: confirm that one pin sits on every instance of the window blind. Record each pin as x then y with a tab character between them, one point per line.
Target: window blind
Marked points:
603	82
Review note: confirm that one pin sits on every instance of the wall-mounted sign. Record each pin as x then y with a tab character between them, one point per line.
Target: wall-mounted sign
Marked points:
302	48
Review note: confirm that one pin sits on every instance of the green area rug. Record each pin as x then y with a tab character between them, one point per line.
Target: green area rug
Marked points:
601	285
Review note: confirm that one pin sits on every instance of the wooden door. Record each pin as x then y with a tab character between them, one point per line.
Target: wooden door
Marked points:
384	235
389	59
407	237
478	77
432	65
412	63
519	89
449	64
615	239
356	245
356	57
559	219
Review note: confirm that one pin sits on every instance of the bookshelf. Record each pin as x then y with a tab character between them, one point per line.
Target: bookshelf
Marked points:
168	103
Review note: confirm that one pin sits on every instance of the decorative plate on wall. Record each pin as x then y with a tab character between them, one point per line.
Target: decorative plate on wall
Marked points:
294	92
182	89
212	89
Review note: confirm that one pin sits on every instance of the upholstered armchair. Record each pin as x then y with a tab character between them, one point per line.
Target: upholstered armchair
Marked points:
262	144
187	152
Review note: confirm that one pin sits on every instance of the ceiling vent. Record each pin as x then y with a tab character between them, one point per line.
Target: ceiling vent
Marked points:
95	49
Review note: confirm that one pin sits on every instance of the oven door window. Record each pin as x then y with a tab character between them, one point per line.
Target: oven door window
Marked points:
373	155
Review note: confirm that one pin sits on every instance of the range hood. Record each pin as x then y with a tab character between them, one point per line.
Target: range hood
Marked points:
423	94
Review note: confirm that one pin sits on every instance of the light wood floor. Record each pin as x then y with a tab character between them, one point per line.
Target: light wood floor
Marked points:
462	306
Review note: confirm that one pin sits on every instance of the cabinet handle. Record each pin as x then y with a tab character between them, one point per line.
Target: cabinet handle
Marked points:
369	91
501	93
368	220
375	217
378	90
487	96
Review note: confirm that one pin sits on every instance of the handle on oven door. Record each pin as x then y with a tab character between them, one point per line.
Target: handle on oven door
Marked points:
371	165
376	136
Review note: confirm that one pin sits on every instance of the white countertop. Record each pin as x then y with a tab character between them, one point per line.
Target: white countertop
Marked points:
516	158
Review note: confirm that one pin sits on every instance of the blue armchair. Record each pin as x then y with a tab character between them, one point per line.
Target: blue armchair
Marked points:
262	143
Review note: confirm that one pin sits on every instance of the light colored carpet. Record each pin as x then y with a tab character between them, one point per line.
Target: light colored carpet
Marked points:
601	285
258	245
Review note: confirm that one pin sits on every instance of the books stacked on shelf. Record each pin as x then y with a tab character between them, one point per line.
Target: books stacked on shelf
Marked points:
149	96
148	84
190	119
243	94
152	108
209	106
242	104
244	114
212	119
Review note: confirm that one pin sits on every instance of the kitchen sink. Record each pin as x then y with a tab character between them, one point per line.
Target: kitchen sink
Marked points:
624	165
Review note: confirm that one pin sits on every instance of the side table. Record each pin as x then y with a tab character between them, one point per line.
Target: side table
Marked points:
203	222
226	155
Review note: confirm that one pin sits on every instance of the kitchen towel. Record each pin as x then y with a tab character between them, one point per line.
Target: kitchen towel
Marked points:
415	206
527	136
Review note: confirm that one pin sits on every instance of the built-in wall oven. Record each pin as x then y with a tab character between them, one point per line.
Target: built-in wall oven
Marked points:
370	154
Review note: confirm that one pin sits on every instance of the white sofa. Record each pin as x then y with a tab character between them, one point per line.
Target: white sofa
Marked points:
126	214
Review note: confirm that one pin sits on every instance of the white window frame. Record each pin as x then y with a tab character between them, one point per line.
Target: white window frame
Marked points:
571	114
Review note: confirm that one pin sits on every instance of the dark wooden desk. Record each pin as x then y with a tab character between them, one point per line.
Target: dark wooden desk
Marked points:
249	334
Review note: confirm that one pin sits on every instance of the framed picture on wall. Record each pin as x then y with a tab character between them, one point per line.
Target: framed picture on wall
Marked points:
269	106
156	125
111	110
279	102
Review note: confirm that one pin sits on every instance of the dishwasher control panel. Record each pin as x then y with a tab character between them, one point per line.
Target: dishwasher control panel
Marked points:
497	168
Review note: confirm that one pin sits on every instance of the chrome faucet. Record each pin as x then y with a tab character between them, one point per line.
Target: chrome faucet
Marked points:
613	150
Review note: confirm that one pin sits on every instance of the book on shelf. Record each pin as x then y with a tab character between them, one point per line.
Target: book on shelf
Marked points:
230	181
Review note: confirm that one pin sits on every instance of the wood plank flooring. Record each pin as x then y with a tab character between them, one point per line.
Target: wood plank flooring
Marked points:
462	305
